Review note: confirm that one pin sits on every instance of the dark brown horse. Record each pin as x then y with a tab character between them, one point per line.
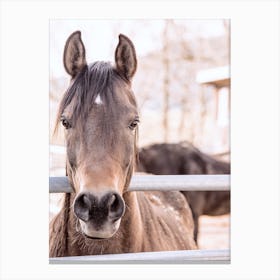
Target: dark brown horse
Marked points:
100	117
184	158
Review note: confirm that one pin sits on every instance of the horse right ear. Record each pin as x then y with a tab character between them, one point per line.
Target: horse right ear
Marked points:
74	57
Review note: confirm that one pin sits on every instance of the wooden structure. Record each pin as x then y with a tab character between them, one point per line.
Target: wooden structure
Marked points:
219	79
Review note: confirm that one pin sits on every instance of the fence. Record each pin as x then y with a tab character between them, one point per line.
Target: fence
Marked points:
150	183
159	182
190	256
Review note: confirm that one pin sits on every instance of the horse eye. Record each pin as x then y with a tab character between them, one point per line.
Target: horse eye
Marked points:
134	124
65	123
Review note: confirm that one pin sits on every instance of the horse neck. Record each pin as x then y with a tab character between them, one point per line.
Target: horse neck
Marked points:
131	229
133	214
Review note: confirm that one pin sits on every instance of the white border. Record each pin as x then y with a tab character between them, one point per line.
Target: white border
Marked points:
255	138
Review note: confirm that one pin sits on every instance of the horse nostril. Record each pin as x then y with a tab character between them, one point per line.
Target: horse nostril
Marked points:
116	206
113	203
82	207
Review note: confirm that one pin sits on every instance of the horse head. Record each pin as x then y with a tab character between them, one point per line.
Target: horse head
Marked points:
100	117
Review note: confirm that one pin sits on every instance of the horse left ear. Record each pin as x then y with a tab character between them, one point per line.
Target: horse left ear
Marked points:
125	57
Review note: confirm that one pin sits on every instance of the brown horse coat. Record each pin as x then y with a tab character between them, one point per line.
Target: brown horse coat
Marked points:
100	117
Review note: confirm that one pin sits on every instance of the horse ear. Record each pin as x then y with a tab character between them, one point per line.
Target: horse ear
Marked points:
125	57
74	57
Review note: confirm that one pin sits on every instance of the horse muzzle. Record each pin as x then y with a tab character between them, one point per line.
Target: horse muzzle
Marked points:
99	216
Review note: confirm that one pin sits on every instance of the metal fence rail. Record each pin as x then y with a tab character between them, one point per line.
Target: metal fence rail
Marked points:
190	256
159	182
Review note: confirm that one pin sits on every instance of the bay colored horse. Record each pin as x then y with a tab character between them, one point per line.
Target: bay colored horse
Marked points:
100	117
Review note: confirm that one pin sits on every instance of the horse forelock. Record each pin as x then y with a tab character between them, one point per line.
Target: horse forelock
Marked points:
95	83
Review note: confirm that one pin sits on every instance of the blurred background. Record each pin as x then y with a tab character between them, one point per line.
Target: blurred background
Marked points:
182	86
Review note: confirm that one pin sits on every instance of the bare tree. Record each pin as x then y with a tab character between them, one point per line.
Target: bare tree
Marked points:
166	79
